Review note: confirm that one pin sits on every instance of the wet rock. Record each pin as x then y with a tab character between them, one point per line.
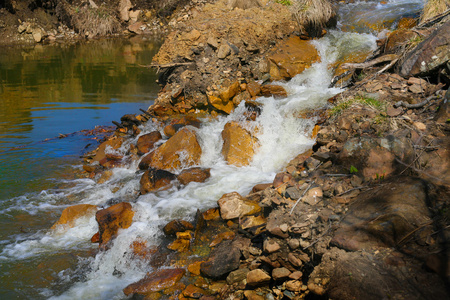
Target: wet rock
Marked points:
237	276
290	58
181	150
196	174
106	147
183	241
211	214
194	268
398	39
178	123
146	142
228	235
111	219
257	277
277	91
254	88
238	144
154	180
72	213
429	55
233	205
177	226
223	106
222	260
194	292
155	282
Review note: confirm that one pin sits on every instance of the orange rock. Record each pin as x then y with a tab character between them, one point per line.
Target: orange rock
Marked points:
147	141
230	91
194	268
140	248
233	205
156	180
155	282
254	88
183	241
276	91
95	238
177	226
291	57
70	214
398	39
211	214
407	23
315	131
178	123
194	175
228	235
113	143
111	219
238	144
193	291
181	150
219	104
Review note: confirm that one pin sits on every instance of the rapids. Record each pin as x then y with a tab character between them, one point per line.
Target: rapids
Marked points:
82	273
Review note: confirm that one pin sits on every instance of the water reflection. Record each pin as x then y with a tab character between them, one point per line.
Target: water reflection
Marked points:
48	90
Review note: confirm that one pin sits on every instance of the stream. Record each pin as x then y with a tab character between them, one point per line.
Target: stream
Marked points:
55	90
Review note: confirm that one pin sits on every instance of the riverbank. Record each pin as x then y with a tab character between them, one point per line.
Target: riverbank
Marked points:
364	214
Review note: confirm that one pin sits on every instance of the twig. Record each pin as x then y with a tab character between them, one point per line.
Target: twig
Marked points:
371	63
339	77
118	124
292	209
421	172
417	105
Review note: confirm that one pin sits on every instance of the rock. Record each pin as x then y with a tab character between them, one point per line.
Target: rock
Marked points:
180	151
294	260
72	213
257	277
229	92
313	196
398	39
233	205
244	4
196	174
280	273
277	91
222	260
37	35
384	217
134	14
137	27
182	243
211	214
146	142
194	268
193	291
111	219
104	148
124	8
178	123
237	276
271	246
224	51
253	295
177	226
254	88
238	144
291	57
227	235
155	282
251	222
155	180
22	27
294	285
226	107
192	35
212	42
429	55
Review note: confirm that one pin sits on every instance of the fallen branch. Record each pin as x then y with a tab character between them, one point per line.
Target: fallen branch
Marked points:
378	60
167	65
434	20
417	105
339	77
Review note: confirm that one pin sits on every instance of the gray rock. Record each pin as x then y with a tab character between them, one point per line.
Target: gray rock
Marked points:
224	51
222	260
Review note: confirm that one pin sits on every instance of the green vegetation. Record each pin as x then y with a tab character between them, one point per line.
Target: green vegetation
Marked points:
284	2
353	169
364	100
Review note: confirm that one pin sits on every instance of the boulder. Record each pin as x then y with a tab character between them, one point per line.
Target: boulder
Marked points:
277	91
146	142
430	55
154	180
196	174
111	219
222	260
233	205
291	57
180	151
72	213
239	144
124	9
155	282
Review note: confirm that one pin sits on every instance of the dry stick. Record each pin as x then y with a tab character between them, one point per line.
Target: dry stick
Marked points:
371	63
417	105
422	172
301	197
434	20
418	156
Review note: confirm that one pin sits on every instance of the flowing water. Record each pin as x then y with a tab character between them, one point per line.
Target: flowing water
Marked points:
37	263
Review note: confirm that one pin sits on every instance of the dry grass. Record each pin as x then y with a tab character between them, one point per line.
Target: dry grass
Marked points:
312	15
433	8
244	4
95	21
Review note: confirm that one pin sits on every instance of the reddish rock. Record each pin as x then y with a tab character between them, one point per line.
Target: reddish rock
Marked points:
72	213
95	238
228	235
254	88
193	291
291	57
211	214
111	219
147	141
238	144
155	180
183	241
233	205
194	268
280	273
218	103
257	277
277	91
194	175
113	143
155	282
177	226
222	260
176	124
261	187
